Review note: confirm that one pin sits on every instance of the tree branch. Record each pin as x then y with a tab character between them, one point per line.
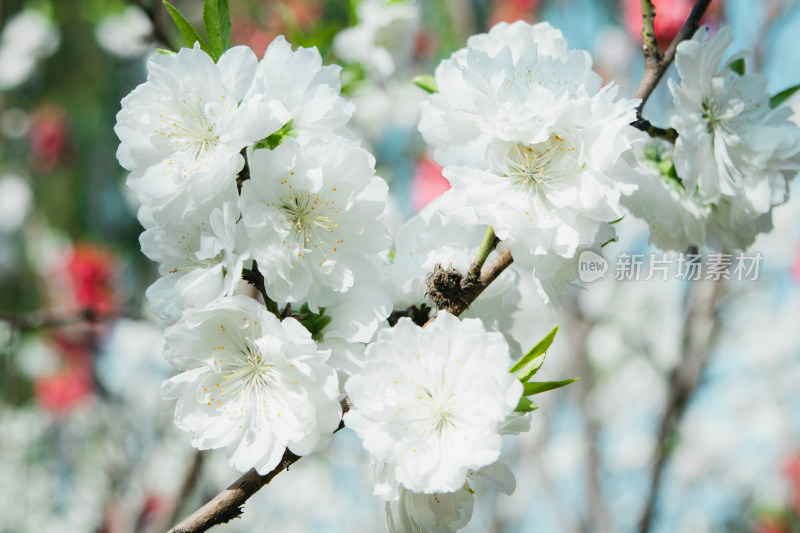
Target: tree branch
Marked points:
655	64
227	505
698	330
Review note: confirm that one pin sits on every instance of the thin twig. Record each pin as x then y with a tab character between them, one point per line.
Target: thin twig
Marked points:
698	330
488	245
656	64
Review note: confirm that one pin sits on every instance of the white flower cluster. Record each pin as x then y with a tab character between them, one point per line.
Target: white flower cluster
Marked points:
731	162
532	145
246	170
240	164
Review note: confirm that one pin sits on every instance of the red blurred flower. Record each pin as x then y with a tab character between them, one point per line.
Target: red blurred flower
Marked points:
427	183
670	17
513	10
49	138
64	390
91	271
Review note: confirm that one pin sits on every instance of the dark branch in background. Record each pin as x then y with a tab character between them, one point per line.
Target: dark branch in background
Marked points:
27	322
698	329
254	277
155	11
227	505
656	64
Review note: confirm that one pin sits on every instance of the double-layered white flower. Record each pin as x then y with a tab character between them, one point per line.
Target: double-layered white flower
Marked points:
308	90
310	212
731	143
182	130
250	383
201	250
431	403
539	145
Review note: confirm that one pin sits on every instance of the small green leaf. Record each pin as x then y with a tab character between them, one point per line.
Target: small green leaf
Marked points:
617	220
225	24
782	96
525	406
426	83
535	352
274	140
738	66
190	34
609	241
213	30
165	52
537	387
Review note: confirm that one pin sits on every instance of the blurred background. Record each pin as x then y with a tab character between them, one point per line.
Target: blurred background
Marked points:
687	416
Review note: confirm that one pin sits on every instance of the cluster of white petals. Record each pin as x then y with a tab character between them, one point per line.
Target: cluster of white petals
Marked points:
733	157
303	210
533	144
309	210
182	130
251	383
430	404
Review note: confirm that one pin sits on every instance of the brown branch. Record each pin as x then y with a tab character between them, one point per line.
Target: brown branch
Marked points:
453	291
227	505
698	330
656	64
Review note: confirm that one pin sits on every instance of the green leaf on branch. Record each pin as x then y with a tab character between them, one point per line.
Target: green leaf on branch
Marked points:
165	52
523	367
782	96
738	66
314	322
211	16
190	34
275	140
426	83
525	406
536	387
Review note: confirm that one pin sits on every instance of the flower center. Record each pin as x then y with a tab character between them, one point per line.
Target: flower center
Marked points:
311	222
438	408
537	168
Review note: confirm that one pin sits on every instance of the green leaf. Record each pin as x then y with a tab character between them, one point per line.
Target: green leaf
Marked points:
535	352
537	387
426	83
225	24
738	66
782	96
190	34
525	406
609	241
275	140
213	30
165	52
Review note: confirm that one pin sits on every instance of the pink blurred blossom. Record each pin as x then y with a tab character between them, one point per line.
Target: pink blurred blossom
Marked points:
427	183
